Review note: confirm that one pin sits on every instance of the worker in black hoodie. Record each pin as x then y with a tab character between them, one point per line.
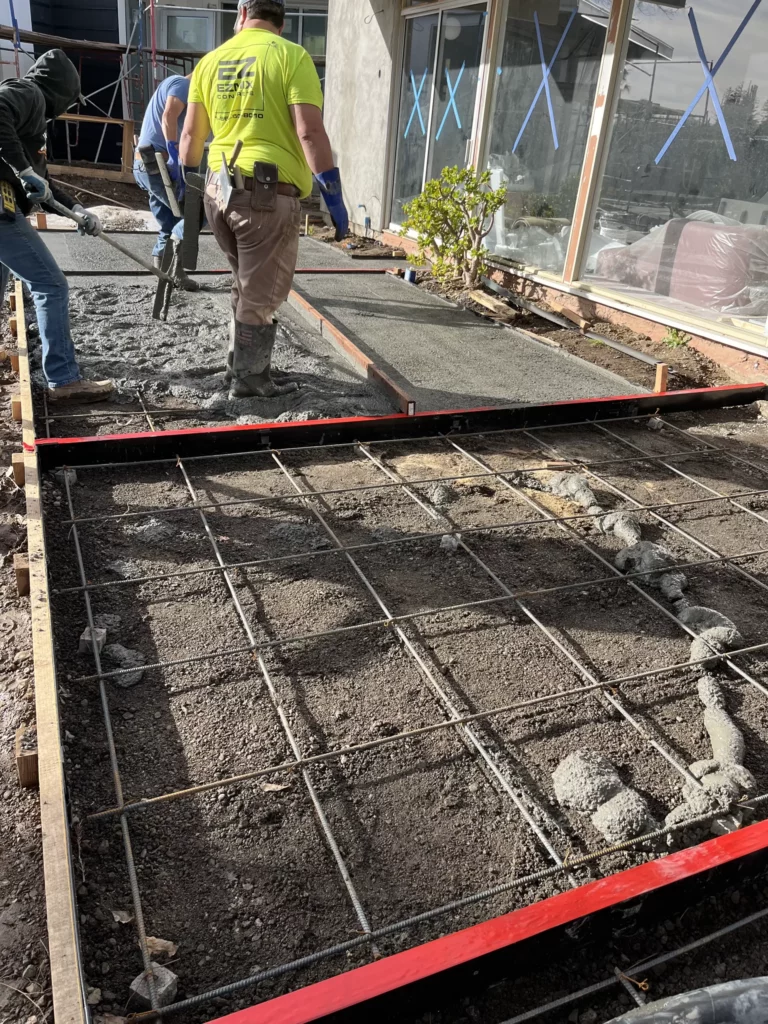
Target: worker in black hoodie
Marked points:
49	88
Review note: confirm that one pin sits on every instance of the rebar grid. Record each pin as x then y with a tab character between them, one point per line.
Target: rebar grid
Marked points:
342	948
127	846
616	572
410	539
669	614
465	731
308	497
279	498
330	839
578	664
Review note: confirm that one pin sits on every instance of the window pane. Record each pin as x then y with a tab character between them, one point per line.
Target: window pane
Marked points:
683	208
461	43
415	94
539	151
313	36
186	32
291	30
228	20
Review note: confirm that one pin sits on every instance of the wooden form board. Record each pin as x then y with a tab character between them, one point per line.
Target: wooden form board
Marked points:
68	1005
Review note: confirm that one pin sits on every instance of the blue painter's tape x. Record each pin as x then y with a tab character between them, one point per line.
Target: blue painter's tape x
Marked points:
546	70
709	82
453	88
417	104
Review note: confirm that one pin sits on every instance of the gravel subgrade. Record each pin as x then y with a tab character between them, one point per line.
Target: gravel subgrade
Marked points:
242	877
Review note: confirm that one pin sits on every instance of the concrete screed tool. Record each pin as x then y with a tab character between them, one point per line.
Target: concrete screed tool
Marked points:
165	281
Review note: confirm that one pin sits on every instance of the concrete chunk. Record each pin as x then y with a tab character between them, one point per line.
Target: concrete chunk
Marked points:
166	985
123	657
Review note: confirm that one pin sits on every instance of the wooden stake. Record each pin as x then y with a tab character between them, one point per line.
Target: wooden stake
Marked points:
14	358
16	408
21	568
41	221
26	761
12	302
17	465
662	374
13	325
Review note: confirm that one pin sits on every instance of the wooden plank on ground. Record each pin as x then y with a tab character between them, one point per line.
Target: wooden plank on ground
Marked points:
67	986
572	315
492	303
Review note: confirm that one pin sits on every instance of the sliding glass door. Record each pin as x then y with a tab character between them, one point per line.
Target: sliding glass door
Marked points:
438	97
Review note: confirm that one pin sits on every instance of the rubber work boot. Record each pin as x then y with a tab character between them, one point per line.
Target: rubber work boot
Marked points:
82	391
252	360
177	272
228	373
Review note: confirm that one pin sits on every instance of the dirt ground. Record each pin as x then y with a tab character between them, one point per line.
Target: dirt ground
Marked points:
241	878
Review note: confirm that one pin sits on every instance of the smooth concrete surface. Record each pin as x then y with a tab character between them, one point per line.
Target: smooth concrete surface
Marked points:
445	357
362	39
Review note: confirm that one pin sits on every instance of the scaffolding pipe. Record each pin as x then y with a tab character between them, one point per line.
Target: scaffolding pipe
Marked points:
16	39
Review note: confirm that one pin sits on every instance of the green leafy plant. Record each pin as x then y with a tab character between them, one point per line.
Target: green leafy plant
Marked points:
452	217
675	338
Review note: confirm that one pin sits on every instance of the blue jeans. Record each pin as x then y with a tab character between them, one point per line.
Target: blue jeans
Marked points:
25	254
160	207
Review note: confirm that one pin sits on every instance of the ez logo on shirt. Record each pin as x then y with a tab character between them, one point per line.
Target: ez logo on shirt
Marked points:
236	76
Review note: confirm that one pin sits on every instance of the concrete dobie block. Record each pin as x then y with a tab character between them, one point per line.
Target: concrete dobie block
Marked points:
86	643
166	985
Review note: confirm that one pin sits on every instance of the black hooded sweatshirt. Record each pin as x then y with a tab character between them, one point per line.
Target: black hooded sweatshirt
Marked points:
49	88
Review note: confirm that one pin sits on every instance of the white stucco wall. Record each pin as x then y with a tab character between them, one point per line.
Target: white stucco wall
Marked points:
24	18
361	46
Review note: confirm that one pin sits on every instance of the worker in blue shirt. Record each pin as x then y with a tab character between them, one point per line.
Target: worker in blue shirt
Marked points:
160	133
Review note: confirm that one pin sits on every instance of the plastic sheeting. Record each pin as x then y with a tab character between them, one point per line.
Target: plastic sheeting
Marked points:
721	267
735	1002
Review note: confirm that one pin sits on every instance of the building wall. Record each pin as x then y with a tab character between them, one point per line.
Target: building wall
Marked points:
362	41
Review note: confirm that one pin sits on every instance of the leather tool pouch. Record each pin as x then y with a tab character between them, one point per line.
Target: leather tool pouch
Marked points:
264	194
7	203
149	159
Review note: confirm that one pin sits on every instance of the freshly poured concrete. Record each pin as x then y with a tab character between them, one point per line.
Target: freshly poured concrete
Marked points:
445	357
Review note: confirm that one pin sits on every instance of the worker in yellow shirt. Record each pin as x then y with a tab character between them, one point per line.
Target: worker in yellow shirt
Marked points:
264	92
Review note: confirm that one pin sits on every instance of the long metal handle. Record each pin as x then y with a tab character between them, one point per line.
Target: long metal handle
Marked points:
168	184
80	221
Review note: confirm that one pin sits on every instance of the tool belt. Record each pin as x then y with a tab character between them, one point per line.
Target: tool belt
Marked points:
7	203
149	159
281	189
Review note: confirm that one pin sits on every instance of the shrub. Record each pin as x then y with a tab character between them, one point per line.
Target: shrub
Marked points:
452	217
675	338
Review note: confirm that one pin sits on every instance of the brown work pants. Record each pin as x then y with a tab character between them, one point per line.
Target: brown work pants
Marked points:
261	246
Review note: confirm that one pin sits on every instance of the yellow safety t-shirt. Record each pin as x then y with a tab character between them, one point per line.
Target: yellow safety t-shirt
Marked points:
247	86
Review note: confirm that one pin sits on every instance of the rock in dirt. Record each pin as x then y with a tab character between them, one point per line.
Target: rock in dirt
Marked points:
107	621
166	984
449	543
65	475
88	640
153	530
441	495
121	657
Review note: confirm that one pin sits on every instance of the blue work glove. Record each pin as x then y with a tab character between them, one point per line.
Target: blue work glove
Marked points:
37	188
330	186
91	225
173	161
